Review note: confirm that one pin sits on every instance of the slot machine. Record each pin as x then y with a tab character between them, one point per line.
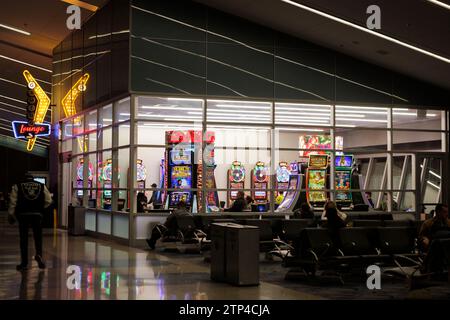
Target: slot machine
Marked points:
160	194
316	180
236	180
184	169
343	180
105	176
283	174
179	167
80	178
260	182
141	174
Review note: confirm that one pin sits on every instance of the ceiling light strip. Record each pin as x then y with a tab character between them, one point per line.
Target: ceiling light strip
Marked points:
17	100
15	29
25	63
377	34
441	4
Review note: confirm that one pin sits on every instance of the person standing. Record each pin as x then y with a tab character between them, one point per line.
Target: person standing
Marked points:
28	200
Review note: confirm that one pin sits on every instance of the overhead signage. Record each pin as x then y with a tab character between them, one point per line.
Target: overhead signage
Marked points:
23	129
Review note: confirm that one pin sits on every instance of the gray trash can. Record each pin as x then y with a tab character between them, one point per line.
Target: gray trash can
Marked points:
235	254
76	220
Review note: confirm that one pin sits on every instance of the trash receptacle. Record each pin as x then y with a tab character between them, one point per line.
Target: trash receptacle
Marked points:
75	223
235	254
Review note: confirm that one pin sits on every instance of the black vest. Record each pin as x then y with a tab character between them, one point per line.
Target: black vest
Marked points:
30	197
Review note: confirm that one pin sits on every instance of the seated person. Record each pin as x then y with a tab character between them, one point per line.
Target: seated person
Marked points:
334	223
434	227
239	204
305	212
329	205
170	226
152	202
369	199
279	199
141	200
249	200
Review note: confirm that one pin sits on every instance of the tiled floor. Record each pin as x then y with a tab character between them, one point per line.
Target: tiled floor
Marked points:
111	271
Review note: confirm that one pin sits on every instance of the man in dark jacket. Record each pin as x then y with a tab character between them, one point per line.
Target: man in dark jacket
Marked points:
170	226
239	204
28	200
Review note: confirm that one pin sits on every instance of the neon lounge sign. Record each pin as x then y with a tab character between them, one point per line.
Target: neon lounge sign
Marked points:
37	106
24	130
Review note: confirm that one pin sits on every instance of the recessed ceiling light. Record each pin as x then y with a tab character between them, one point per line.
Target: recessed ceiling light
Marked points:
15	29
364	29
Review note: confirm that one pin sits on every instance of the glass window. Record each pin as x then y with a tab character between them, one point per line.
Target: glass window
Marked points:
359	140
91	120
302	114
122	110
124	134
93	137
105	116
107	138
104	172
169	109
418	119
67	130
123	167
361	116
417	141
153	133
247	112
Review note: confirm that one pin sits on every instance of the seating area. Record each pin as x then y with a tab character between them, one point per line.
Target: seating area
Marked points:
308	250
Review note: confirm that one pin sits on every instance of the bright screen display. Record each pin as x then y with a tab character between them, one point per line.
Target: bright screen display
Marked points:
40	180
316	179
181	177
180	156
343	161
342	180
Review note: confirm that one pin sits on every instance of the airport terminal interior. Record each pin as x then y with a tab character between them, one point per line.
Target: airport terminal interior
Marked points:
204	150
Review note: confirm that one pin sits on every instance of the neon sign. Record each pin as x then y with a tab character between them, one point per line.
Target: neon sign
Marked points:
38	104
68	104
23	129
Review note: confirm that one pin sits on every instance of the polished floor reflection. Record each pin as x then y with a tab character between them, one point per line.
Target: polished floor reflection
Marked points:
111	271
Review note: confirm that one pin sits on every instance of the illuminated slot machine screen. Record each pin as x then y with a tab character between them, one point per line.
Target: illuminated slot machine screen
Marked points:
179	156
260	195
343	183
345	161
283	174
176	197
181	177
316	181
141	174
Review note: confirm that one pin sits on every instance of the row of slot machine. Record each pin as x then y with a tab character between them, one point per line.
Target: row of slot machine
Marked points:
104	180
259	178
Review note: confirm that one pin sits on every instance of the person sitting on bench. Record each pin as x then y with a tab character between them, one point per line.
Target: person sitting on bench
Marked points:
170	226
334	223
305	212
239	204
432	228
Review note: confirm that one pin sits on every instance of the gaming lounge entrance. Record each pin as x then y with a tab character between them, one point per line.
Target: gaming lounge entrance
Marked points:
380	160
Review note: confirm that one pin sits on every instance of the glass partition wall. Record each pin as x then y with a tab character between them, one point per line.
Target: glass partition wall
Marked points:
205	150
